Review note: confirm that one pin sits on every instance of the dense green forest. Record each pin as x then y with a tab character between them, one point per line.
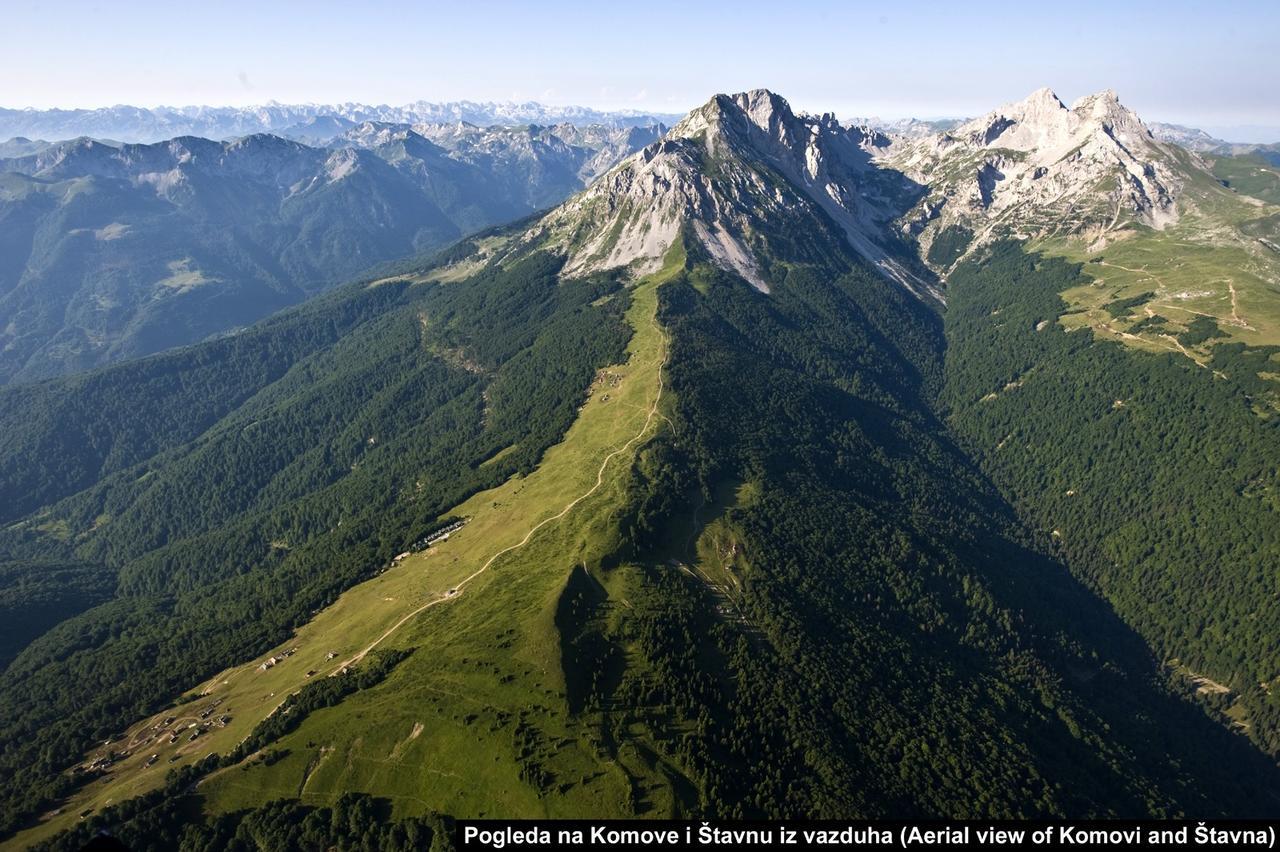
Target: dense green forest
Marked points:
58	437
277	469
870	562
164	820
1156	480
37	594
891	643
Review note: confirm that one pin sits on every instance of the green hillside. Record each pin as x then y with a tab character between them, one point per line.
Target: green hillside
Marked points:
754	539
1154	478
358	449
1256	174
687	499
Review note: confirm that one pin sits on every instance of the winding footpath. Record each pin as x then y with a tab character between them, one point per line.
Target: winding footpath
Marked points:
456	591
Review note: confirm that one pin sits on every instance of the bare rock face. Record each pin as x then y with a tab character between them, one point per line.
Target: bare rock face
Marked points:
631	216
744	165
1037	165
727	168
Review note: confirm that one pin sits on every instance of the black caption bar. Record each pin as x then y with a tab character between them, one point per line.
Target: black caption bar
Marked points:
645	836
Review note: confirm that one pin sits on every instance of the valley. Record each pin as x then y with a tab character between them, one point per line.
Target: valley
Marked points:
117	251
500	572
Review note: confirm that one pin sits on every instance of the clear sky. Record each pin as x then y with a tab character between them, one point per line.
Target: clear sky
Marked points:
1210	64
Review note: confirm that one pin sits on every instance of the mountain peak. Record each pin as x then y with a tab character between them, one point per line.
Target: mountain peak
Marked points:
1044	97
1105	108
1028	161
1106	96
759	108
726	169
764	108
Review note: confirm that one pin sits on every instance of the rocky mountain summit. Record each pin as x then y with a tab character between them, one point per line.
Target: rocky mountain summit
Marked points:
743	168
744	173
738	171
1037	165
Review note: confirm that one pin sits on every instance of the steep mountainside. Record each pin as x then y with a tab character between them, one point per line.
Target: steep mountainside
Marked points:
742	171
1155	479
659	521
109	253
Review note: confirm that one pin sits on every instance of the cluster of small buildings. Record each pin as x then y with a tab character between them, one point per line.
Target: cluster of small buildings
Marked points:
191	730
103	763
437	536
272	662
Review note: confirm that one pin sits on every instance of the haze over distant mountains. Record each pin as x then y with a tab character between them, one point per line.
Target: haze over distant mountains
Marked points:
142	124
111	252
115	250
315	123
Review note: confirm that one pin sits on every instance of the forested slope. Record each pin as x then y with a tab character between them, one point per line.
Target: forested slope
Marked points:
1154	478
871	632
220	530
751	530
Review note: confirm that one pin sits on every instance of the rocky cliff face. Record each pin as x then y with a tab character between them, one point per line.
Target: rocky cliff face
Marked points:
735	168
1037	166
725	171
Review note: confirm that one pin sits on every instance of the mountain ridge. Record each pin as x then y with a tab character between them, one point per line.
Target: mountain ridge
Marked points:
141	124
117	251
1038	159
726	169
787	554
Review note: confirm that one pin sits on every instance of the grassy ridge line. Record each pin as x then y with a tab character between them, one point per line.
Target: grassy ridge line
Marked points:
458	589
361	615
477	721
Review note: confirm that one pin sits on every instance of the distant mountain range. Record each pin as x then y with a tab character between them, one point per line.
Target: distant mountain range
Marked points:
1191	138
110	252
141	124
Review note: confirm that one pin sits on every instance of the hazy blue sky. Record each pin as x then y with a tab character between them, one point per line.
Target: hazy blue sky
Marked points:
1212	64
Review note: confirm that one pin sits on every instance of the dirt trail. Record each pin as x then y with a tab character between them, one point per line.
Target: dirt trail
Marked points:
140	733
1236	319
1235	308
456	591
